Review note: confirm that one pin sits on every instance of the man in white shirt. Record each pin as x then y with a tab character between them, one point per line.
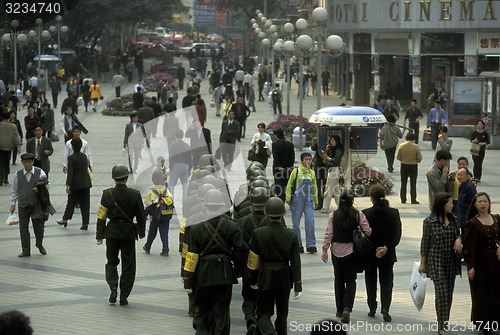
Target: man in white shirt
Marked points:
139	84
68	150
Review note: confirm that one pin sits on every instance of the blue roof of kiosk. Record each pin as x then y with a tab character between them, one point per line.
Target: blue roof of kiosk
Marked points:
348	115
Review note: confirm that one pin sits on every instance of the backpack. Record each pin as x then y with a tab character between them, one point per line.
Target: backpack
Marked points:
276	95
163	209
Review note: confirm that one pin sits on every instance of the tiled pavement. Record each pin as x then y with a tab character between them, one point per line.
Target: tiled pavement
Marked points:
65	291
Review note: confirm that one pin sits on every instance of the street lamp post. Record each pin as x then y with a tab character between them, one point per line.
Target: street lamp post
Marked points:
289	47
15	37
58	28
40	35
304	44
333	43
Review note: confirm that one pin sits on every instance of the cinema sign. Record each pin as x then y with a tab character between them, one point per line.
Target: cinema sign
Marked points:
413	14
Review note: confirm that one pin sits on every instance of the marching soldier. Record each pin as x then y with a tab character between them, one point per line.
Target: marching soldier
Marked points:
120	205
274	267
256	219
208	266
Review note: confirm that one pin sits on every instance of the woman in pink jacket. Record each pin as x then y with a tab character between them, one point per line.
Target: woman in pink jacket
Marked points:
338	238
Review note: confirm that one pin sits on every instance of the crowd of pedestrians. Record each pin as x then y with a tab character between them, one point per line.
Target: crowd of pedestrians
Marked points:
252	234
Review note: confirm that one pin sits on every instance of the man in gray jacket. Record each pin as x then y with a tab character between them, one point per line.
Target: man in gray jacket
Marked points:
390	134
24	192
9	139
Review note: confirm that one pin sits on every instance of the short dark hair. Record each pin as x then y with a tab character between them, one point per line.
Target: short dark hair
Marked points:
462	158
279	133
158	178
15	322
76	128
304	155
410	137
261	125
444	129
442	154
38	125
414	100
179	134
76	144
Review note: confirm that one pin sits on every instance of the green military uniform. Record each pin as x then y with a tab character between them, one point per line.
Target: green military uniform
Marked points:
247	225
274	264
120	233
208	268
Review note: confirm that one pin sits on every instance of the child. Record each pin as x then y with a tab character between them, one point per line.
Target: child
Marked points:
160	166
159	206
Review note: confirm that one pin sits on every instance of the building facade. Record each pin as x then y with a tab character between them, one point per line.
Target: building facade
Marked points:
402	48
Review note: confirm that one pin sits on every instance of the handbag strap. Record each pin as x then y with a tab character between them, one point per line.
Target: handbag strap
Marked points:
119	208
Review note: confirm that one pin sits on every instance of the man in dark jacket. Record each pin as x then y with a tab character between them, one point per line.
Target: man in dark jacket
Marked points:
200	141
241	113
274	268
466	193
120	205
208	267
283	160
69	101
146	117
41	147
137	99
230	131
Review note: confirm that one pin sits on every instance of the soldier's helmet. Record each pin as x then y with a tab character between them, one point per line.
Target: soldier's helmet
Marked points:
259	196
204	189
214	198
210	168
258	183
275	207
212	180
206	159
254	173
201	174
262	178
256	164
119	171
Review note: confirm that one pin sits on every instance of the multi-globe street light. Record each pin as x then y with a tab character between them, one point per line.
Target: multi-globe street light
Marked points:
39	35
332	43
59	28
15	38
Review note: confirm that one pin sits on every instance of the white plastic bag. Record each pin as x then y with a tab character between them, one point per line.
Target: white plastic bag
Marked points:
12	220
418	284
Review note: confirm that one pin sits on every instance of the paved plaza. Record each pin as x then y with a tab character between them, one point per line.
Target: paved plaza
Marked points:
65	292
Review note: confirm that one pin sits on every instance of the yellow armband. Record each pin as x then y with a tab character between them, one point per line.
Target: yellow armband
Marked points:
253	261
191	262
102	213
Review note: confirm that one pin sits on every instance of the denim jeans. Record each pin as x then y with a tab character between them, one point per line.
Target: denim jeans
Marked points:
303	203
179	171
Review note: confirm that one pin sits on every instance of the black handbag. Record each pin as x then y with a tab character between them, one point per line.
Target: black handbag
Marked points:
361	243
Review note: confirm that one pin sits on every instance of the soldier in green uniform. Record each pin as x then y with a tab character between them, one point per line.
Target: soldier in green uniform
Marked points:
256	219
274	266
120	205
208	266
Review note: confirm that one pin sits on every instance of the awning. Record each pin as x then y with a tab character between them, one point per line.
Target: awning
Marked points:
348	115
46	58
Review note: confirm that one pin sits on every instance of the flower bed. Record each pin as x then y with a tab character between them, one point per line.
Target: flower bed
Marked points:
288	122
363	178
161	72
119	107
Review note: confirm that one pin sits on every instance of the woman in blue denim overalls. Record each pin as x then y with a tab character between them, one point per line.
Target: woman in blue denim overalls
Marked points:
302	186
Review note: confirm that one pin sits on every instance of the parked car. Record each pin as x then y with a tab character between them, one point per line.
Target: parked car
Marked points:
204	49
151	49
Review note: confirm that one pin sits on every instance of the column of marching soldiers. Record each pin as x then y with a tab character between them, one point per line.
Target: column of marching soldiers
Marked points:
253	243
